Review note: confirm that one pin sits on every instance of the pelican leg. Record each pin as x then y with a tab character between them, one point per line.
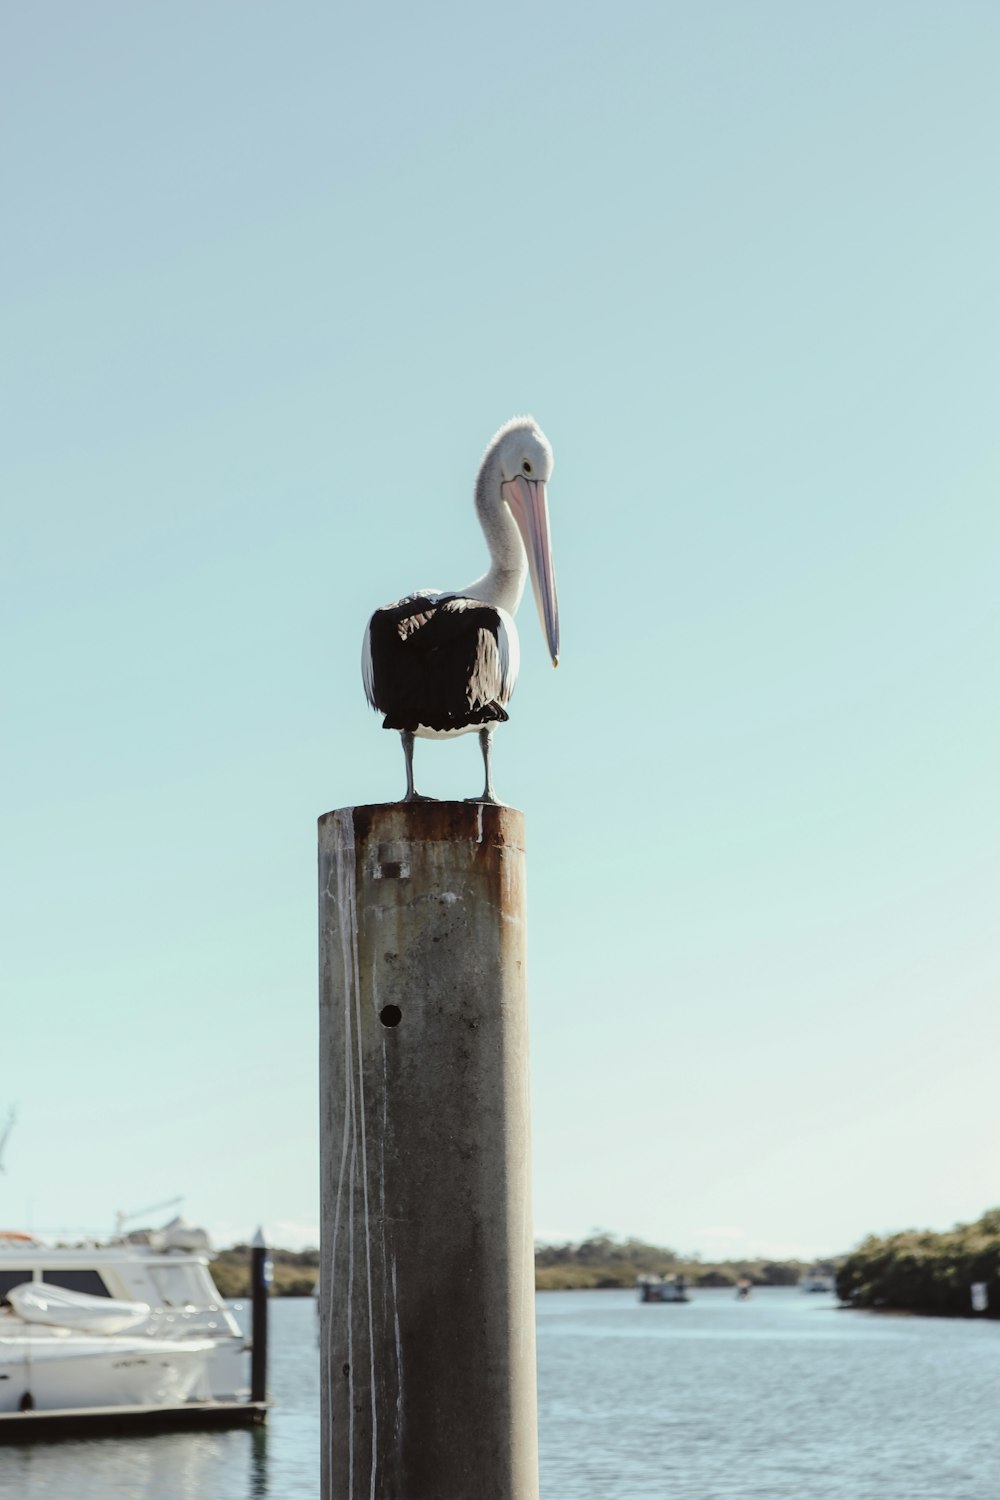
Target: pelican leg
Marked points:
412	795
486	746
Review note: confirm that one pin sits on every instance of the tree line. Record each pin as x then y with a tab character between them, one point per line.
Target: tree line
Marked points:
602	1260
923	1271
917	1270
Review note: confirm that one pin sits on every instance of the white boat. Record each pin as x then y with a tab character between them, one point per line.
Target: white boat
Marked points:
662	1289
40	1372
38	1303
816	1279
166	1272
58	1351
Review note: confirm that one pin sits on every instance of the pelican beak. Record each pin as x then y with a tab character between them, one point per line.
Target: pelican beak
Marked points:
529	507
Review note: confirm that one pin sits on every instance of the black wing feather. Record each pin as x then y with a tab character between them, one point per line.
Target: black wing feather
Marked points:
435	662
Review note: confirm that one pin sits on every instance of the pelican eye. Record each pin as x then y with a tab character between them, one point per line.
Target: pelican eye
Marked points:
526	467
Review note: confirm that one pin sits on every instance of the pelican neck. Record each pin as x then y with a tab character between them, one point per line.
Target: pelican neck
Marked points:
503	585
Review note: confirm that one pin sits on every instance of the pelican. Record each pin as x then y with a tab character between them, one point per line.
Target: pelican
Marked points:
443	663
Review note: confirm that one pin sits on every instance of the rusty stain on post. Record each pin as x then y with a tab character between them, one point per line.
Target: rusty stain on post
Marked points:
427	1326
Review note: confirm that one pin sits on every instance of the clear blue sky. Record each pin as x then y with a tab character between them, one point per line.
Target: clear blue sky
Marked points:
273	275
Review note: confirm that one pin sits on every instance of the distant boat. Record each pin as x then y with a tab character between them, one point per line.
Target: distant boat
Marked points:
662	1289
816	1279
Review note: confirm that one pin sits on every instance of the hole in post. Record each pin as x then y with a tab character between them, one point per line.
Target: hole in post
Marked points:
390	1015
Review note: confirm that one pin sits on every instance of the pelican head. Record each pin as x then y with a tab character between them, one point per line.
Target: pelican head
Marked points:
523	455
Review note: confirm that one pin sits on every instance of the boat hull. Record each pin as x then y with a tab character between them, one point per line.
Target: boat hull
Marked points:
52	1374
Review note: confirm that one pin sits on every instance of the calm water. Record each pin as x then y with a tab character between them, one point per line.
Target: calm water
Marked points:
781	1396
778	1396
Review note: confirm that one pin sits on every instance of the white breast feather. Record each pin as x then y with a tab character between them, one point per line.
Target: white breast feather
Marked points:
510	655
367	670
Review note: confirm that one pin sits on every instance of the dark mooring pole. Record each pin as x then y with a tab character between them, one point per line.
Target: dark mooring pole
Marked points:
427	1289
260	1287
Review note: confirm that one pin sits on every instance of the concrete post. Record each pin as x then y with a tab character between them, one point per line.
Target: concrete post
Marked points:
427	1306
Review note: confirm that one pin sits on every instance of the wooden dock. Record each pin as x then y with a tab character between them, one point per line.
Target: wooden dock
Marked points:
119	1421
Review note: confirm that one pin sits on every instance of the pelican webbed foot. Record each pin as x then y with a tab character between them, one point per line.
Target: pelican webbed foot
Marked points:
412	795
489	795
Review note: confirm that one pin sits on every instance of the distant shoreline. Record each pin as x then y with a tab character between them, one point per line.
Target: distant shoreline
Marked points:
604	1262
601	1263
918	1272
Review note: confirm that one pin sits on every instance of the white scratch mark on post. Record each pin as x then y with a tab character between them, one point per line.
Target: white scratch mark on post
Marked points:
348	918
384	1133
346	913
331	1384
364	1184
350	1298
399	1360
479	823
326	1302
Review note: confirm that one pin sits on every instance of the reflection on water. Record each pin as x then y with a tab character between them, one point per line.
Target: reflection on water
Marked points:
258	1464
779	1398
173	1466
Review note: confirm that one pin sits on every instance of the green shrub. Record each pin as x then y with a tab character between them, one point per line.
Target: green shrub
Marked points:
921	1271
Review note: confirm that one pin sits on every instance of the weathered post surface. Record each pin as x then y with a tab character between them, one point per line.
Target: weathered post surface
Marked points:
427	1305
